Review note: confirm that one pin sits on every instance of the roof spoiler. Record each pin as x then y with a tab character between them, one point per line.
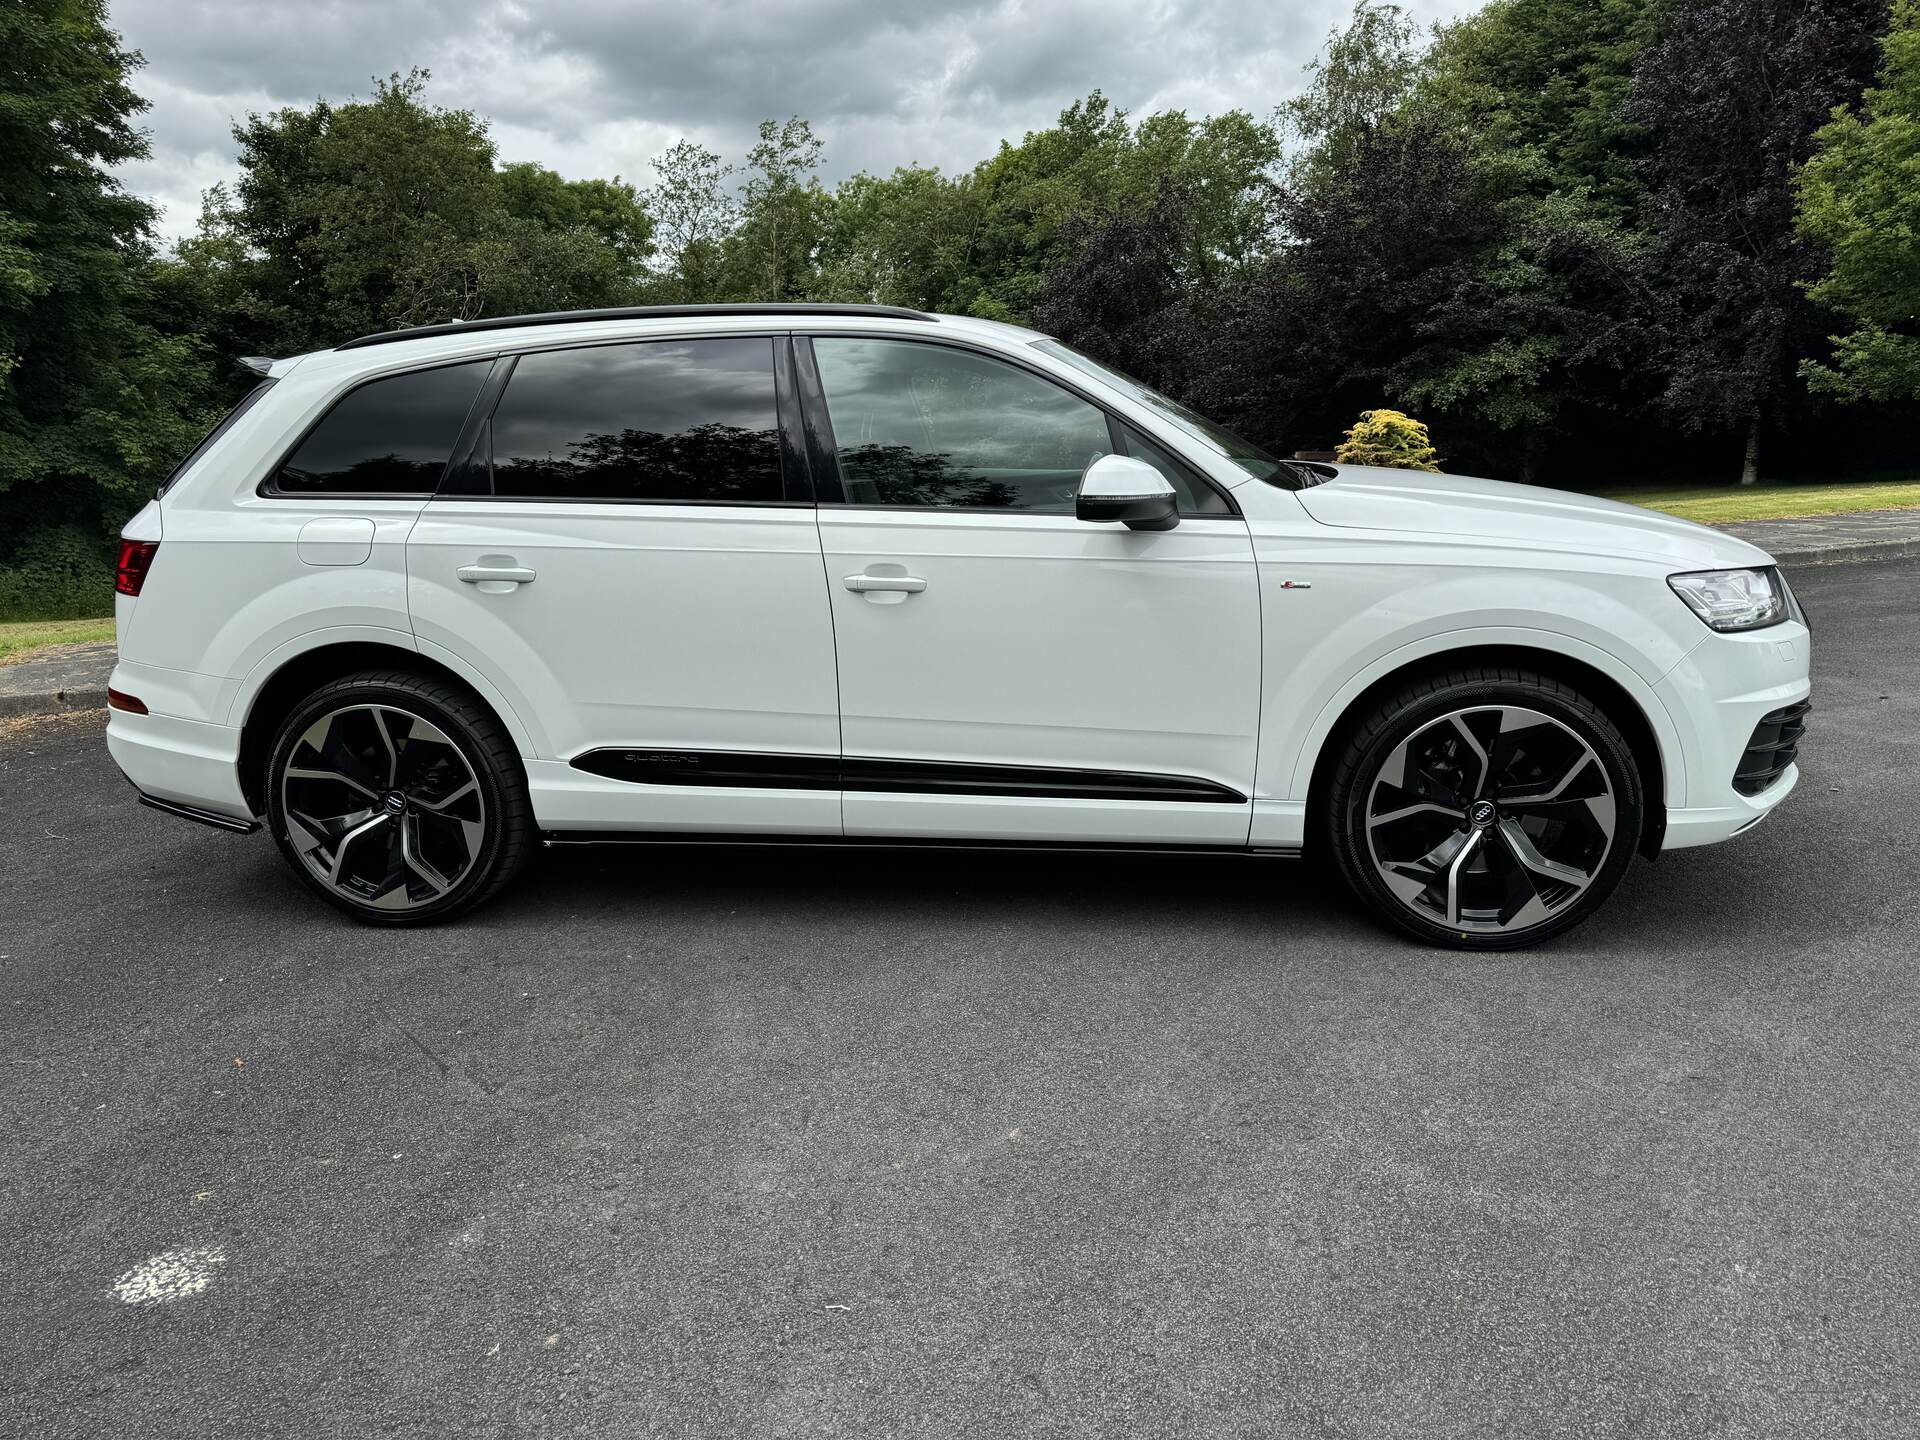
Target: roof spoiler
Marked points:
258	364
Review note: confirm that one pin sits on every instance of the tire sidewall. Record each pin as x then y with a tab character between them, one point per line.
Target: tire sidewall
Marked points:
459	728
1348	805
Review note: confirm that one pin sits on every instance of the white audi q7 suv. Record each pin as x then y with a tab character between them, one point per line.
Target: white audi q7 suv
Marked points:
862	575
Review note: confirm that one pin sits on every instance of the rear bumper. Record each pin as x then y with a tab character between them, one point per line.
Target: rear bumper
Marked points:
186	765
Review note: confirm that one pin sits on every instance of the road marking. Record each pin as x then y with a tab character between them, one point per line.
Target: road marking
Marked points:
170	1275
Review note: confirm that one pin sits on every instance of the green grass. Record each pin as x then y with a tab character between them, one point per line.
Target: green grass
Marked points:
1720	504
20	640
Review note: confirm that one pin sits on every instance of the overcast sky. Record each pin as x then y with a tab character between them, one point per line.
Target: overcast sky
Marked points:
600	87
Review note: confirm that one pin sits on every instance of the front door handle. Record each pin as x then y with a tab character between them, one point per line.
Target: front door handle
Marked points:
495	574
908	584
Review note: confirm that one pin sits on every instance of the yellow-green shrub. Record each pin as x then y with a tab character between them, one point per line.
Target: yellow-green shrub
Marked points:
1386	437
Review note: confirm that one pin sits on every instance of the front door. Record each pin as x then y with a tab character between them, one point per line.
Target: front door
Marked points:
1005	669
638	573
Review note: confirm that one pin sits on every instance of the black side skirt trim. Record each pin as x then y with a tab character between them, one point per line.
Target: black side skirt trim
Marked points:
896	777
698	839
204	817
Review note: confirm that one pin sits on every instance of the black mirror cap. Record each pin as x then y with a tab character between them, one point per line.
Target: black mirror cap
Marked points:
1136	512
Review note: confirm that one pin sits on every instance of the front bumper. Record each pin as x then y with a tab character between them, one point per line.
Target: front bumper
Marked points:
1717	697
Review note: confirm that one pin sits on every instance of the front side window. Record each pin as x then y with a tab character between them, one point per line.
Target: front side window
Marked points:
931	425
1241	451
386	437
660	420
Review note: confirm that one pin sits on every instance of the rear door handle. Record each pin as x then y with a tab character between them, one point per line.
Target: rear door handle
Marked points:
495	574
861	584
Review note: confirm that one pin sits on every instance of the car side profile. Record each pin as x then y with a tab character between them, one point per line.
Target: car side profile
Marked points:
863	575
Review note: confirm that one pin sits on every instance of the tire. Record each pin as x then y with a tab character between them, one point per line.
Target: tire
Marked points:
1522	773
398	798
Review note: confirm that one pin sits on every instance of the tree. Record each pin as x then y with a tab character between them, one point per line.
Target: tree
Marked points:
1122	297
692	213
1534	92
1362	77
1859	199
389	212
1733	91
770	254
95	401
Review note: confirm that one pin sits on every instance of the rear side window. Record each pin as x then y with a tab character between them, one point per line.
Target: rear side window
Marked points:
246	403
660	420
387	437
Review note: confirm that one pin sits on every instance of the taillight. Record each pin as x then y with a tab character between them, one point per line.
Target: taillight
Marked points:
136	558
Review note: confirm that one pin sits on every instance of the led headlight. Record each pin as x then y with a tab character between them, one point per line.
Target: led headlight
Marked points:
1734	599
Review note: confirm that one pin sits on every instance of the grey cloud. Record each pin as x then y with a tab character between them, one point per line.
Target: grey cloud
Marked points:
602	86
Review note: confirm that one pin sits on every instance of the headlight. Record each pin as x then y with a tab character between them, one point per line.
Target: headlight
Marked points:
1734	599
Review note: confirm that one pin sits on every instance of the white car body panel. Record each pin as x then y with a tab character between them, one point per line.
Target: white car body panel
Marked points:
1227	649
648	626
1028	647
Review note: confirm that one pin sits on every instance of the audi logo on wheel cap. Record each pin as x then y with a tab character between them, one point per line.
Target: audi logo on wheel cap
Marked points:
1481	812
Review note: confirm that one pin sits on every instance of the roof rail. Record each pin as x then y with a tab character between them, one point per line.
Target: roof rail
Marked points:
632	312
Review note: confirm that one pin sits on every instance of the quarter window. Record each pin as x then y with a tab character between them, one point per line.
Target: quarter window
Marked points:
931	425
663	420
387	437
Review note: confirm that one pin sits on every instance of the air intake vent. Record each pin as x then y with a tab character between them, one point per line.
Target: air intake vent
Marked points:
1775	743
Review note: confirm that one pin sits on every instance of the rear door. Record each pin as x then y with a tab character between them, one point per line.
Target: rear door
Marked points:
628	553
1005	669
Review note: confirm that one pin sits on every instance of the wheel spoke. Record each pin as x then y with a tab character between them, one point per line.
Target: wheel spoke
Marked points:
1453	875
1424	807
307	772
1531	859
410	854
349	840
393	751
1479	754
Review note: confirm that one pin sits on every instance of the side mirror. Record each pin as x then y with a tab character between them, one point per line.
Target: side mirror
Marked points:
1118	488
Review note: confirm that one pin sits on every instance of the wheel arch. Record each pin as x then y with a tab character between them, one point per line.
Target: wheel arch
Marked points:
299	675
1627	711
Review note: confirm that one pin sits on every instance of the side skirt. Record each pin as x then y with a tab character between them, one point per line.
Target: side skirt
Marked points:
568	838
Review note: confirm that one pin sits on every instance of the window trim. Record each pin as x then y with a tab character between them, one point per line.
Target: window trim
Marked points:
826	460
268	489
796	479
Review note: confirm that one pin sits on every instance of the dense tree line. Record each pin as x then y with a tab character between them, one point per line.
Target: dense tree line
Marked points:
1578	238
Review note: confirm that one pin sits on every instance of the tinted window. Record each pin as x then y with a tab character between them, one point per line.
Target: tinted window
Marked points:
388	437
1241	451
663	420
931	425
206	442
1196	496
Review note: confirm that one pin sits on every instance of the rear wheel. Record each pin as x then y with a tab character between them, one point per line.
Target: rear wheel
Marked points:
398	798
1485	809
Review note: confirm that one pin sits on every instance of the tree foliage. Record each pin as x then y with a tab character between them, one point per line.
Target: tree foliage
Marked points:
1732	91
1859	199
390	212
1390	439
94	397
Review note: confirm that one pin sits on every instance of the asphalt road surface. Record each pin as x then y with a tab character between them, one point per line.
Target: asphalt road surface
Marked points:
696	1142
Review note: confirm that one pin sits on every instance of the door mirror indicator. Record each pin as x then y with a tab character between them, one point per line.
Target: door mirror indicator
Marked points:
1119	489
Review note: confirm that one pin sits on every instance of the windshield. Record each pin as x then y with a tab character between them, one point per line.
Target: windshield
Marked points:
1241	451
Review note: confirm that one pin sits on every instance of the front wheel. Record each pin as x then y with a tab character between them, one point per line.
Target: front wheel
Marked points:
1484	809
398	798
